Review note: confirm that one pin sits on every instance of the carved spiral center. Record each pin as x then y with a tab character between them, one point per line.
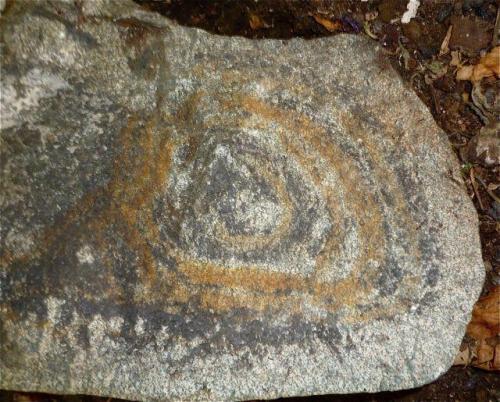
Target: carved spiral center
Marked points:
243	200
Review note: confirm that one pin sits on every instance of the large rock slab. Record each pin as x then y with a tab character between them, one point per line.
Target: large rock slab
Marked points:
188	216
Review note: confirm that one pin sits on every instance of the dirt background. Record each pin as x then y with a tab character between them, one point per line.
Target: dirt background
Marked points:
448	54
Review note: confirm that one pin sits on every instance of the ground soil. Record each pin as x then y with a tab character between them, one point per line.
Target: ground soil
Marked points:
417	51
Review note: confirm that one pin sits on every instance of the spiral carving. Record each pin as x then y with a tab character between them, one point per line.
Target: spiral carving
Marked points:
257	208
189	216
263	209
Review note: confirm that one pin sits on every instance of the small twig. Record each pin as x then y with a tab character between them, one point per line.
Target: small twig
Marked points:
366	26
434	98
413	77
496	30
474	186
405	54
490	193
388	52
478	112
444	46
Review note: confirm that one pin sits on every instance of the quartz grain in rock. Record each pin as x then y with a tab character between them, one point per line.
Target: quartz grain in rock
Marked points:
194	217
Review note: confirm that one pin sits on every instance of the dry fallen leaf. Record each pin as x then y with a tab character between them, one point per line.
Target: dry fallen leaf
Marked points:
22	397
455	58
463	358
485	322
484	148
446	41
496	360
487	356
255	22
331	26
484	328
489	65
485	353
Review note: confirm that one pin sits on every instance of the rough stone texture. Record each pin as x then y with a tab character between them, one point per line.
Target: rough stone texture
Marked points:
187	216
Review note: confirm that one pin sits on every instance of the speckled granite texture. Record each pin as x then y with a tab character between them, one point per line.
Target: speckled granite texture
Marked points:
193	217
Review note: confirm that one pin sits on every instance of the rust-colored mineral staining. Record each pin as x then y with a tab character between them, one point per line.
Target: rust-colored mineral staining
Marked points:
141	176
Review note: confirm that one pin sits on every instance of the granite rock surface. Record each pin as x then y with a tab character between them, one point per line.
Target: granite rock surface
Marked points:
187	216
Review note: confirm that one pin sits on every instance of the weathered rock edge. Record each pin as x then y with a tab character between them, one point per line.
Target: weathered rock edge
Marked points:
76	81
